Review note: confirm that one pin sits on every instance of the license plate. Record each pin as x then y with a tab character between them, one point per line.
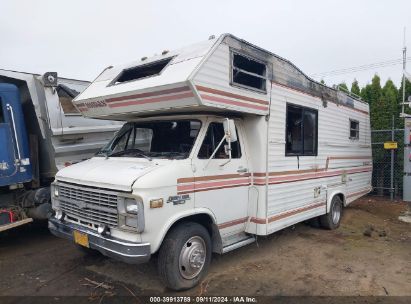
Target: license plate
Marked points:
81	238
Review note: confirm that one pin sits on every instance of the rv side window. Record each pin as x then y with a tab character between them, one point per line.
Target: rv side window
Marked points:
142	71
301	131
215	133
354	129
248	73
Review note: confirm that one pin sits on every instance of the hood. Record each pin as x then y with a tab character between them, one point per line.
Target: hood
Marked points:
113	173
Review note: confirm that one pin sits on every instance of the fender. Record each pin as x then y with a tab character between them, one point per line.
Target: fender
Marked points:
330	195
155	245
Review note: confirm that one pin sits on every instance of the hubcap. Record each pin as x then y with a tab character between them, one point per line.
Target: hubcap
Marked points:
192	257
336	213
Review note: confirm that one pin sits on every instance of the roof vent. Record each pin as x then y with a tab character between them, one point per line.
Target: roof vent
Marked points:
211	37
164	52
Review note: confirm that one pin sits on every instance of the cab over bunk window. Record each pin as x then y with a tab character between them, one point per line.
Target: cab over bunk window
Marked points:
301	131
354	129
142	71
248	73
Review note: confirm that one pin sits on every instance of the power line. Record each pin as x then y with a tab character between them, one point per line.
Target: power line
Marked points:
360	68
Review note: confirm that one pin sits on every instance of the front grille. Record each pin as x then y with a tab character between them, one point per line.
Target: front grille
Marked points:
89	205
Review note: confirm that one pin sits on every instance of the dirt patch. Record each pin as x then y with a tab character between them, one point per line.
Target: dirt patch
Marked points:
370	254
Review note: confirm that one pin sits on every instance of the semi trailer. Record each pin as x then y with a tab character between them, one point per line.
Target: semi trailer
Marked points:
41	131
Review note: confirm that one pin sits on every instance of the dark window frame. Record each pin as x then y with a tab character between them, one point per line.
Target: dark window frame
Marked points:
303	108
357	130
2	116
168	59
240	144
242	86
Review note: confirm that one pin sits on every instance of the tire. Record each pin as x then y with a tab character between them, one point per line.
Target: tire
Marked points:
184	242
332	219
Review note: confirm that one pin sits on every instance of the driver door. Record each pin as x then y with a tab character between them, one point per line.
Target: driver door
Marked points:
221	184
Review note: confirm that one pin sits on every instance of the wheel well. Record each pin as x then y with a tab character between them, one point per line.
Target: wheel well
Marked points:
206	221
341	197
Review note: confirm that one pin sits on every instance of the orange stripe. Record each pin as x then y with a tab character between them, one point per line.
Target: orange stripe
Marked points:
232	95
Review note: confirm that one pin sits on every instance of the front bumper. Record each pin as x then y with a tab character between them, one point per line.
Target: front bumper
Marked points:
128	252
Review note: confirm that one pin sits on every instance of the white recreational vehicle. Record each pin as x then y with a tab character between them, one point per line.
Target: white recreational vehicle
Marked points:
224	141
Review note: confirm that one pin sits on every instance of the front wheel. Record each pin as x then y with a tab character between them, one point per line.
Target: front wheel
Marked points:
332	219
184	256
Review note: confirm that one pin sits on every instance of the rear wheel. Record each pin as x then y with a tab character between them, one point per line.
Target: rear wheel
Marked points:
184	256
332	219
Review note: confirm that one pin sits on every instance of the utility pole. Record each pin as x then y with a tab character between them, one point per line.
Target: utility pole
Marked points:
407	144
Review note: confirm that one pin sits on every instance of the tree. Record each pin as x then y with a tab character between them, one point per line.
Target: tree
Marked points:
343	86
355	88
372	93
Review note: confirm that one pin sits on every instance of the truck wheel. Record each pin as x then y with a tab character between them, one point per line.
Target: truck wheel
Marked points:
184	256
332	219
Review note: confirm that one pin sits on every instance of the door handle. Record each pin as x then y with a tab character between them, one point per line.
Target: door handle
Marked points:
242	170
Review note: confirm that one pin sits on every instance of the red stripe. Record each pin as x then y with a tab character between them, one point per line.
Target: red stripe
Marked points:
294	178
232	95
233	223
152	100
232	102
149	94
212	184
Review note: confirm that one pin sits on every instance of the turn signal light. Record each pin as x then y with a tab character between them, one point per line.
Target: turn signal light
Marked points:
156	203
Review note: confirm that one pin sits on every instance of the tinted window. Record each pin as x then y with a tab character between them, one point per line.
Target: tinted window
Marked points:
142	71
163	139
301	131
215	133
354	129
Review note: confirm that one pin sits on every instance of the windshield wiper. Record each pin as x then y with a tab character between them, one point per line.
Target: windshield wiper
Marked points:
137	151
102	153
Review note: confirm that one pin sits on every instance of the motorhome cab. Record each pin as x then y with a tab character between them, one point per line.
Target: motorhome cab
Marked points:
223	142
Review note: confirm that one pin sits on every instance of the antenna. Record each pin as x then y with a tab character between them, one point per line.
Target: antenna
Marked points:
404	64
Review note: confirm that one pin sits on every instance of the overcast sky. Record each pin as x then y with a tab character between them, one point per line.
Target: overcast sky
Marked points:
80	38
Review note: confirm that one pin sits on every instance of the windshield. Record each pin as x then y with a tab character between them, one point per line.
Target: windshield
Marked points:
172	139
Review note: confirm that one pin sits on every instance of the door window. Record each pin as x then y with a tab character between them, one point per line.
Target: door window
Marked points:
215	133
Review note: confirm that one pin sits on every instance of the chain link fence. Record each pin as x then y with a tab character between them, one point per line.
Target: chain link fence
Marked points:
388	168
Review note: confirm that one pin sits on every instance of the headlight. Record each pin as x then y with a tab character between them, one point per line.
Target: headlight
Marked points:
131	206
54	190
131	213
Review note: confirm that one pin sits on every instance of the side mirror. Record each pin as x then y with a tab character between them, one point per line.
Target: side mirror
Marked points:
229	130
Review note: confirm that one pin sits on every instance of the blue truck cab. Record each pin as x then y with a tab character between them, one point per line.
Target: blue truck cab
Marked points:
15	165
